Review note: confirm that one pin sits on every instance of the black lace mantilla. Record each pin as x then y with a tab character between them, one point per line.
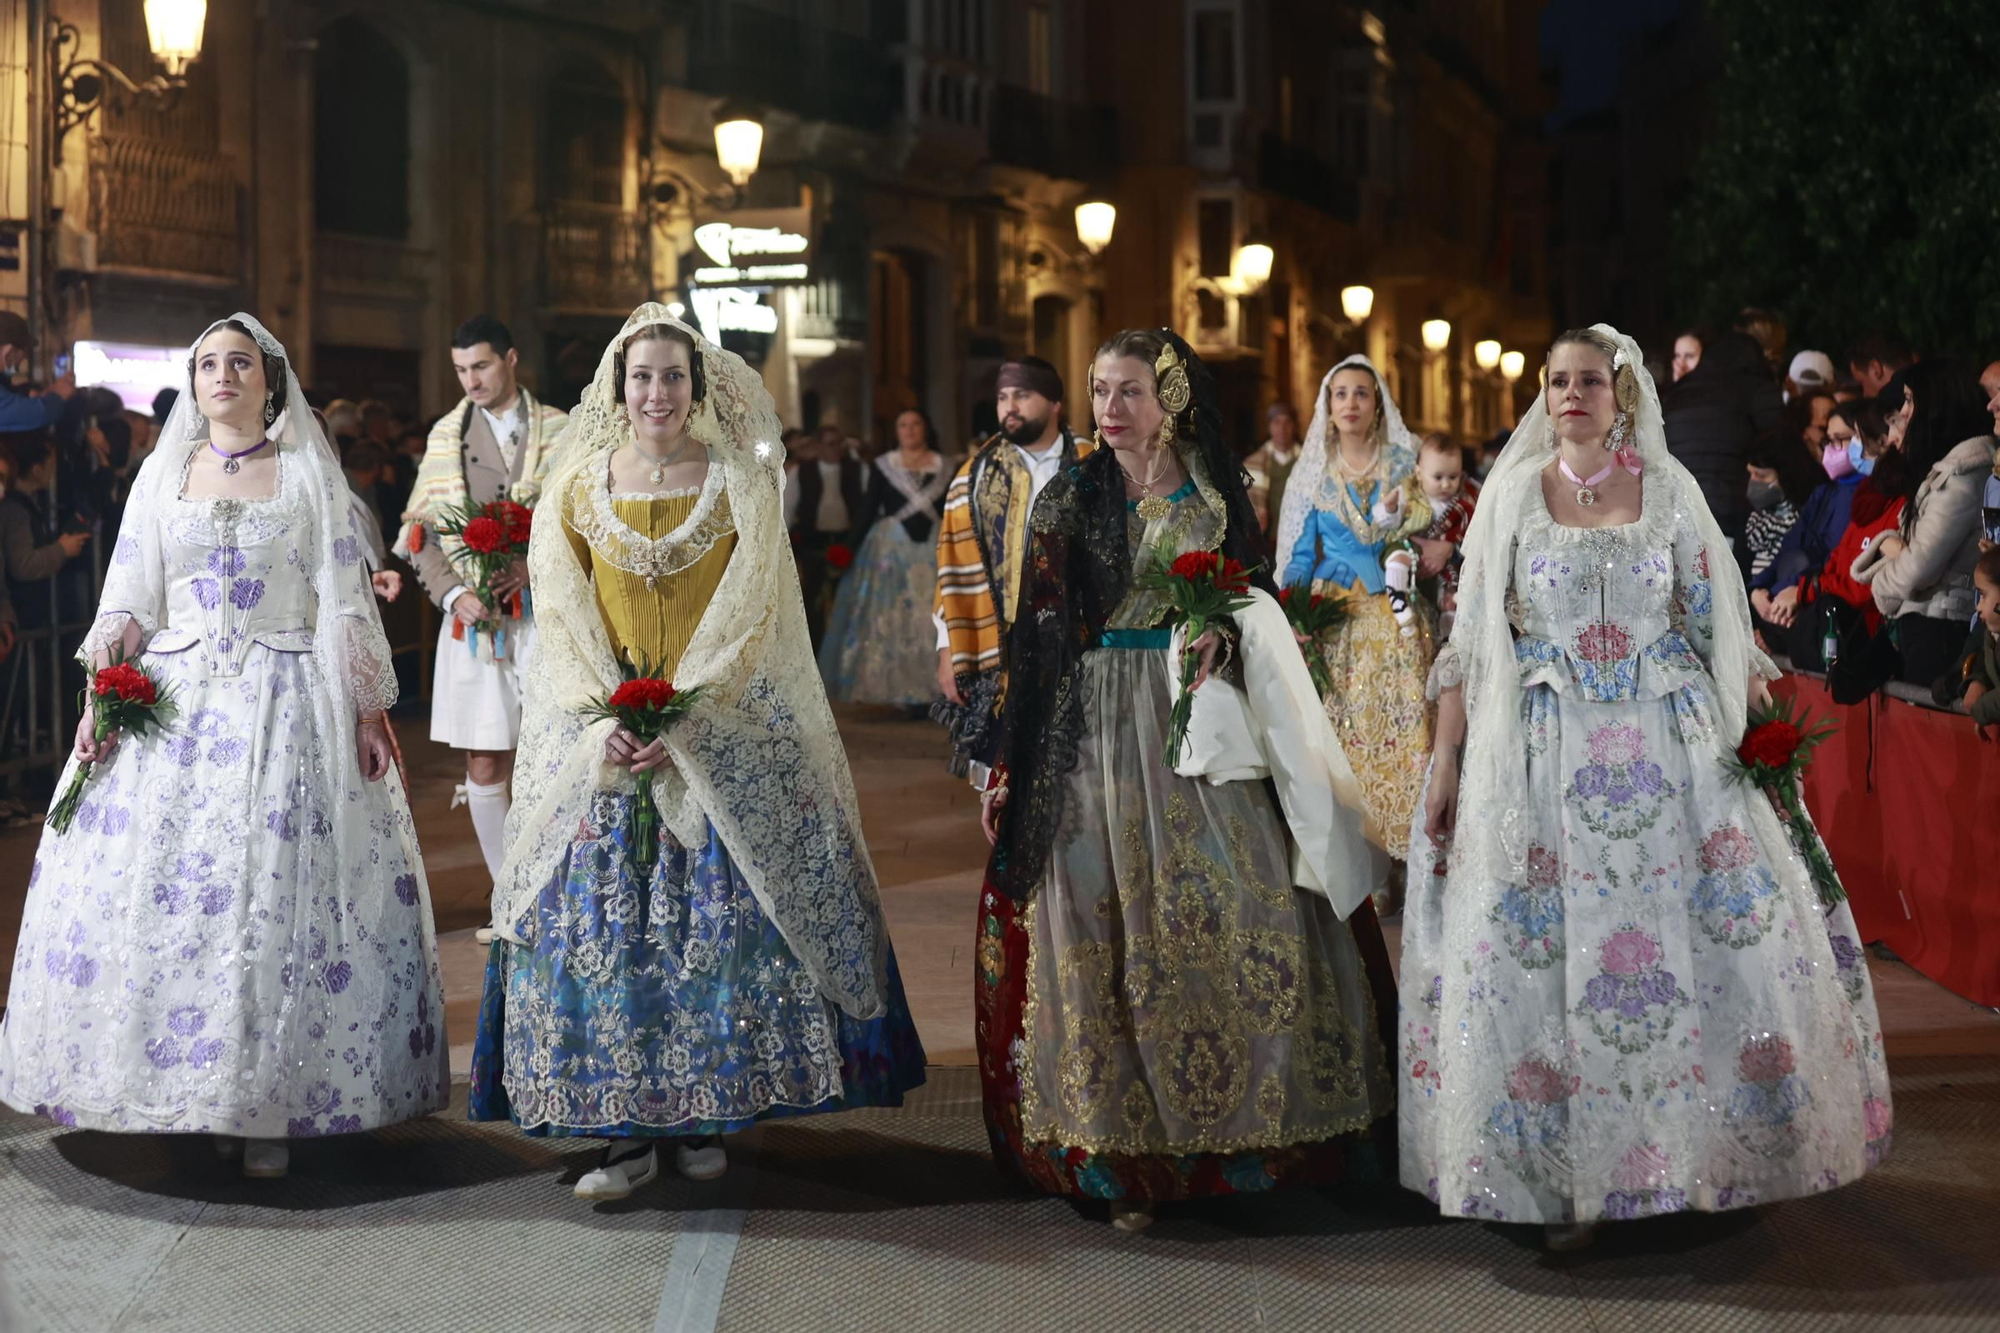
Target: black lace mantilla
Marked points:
1078	572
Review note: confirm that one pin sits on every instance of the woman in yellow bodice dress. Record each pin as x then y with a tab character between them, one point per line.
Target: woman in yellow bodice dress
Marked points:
748	973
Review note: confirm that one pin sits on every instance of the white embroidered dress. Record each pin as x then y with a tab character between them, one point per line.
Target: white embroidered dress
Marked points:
1655	1012
235	934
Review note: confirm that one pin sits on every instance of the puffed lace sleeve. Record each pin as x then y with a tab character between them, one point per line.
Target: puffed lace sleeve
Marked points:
1447	673
135	589
351	624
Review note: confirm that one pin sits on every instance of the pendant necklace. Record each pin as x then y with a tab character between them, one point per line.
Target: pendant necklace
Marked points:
1152	508
660	465
1586	492
230	463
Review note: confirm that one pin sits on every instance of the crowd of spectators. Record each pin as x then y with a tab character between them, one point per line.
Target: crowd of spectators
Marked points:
1861	503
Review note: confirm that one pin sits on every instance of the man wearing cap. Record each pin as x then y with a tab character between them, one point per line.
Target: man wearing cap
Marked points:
17	410
982	543
1811	372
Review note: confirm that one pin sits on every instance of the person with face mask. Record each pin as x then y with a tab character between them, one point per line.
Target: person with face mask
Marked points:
1778	485
1836	614
1775	590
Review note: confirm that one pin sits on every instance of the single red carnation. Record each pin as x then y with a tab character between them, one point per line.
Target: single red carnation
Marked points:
1196	565
839	556
1285	597
1770	743
1233	578
125	681
484	535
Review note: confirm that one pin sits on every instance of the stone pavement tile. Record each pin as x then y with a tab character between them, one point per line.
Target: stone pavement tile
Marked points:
901	1221
76	1248
438	1224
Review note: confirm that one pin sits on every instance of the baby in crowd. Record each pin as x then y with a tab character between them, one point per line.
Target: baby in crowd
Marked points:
1434	504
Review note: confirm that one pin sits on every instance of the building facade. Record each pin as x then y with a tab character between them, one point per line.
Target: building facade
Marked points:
365	173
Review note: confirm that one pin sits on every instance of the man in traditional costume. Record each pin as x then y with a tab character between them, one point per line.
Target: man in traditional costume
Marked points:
497	443
981	544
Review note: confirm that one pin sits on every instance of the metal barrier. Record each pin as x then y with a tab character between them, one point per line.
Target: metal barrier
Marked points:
37	717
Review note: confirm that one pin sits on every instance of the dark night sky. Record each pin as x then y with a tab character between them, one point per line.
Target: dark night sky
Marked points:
1584	42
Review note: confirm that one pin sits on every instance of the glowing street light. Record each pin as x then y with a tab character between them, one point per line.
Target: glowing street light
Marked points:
1486	352
1251	266
1095	220
1437	334
173	30
739	143
1357	303
1512	364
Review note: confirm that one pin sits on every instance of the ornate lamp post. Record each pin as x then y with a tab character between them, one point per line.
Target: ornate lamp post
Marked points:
81	85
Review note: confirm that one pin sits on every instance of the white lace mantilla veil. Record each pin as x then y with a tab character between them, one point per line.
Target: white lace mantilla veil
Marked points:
1302	492
349	647
759	756
1491	836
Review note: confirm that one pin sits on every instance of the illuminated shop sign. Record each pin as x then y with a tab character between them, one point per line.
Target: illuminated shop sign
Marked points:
733	310
133	371
754	246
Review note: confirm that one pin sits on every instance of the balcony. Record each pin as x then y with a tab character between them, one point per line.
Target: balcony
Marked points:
594	258
369	265
1066	139
815	72
1302	175
159	207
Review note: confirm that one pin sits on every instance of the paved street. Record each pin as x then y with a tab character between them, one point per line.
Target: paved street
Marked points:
896	1219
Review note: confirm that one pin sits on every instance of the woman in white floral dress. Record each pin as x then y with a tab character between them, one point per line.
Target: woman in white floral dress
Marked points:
1621	995
234	937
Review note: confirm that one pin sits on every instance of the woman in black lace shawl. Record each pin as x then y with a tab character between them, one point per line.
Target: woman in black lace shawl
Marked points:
1161	1014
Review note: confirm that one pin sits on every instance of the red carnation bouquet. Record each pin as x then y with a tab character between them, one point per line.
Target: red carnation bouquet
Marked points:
1773	755
1311	615
124	697
648	706
493	536
1203	588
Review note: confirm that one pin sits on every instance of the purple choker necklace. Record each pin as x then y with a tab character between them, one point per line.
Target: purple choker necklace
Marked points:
230	463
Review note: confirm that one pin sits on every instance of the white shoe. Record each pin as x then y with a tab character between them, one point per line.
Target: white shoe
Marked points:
621	1171
483	936
266	1159
1131	1218
700	1159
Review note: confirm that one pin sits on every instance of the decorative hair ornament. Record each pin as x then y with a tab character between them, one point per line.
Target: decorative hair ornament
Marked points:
1171	373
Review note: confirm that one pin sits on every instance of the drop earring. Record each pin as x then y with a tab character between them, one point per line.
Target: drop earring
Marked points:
270	409
1621	432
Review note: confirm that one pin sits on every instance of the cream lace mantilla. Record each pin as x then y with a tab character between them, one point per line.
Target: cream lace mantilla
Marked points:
759	758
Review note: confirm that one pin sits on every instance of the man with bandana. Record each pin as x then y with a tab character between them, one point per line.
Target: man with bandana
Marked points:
982	542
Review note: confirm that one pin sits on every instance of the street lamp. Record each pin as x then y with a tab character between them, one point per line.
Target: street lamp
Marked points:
173	31
1250	267
1512	364
1357	303
1437	334
1486	352
1095	220
739	142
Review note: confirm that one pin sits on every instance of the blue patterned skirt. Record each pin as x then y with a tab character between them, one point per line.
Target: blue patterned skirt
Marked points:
672	1007
880	645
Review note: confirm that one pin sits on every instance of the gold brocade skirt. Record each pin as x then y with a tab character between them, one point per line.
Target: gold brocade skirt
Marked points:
1182	996
1377	705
